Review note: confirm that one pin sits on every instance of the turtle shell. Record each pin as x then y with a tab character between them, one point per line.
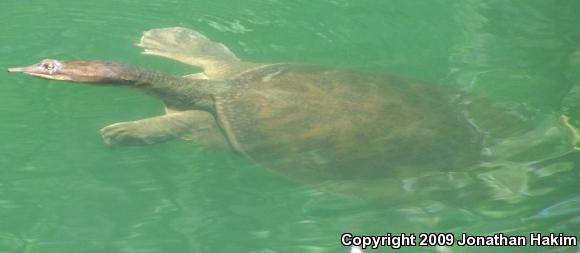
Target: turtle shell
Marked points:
317	123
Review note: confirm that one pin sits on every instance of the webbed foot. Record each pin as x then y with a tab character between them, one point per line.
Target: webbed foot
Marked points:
189	47
184	45
125	134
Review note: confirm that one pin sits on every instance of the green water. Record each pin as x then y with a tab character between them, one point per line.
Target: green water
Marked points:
62	190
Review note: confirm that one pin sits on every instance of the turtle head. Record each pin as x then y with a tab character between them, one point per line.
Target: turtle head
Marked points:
77	71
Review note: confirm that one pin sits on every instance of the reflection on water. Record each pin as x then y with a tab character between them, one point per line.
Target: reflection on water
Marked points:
62	191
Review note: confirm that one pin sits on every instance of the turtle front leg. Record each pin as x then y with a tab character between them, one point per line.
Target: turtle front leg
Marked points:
198	126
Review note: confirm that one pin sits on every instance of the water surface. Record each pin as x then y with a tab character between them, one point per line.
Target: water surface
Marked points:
62	190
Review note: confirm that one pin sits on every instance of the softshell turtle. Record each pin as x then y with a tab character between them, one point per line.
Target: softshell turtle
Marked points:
306	121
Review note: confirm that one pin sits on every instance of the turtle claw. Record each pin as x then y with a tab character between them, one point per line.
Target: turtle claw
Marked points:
122	134
159	53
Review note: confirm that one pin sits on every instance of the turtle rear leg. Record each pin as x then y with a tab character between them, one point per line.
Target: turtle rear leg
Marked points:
190	47
197	126
571	113
575	132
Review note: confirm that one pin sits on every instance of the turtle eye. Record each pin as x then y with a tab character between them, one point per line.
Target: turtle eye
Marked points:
50	67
